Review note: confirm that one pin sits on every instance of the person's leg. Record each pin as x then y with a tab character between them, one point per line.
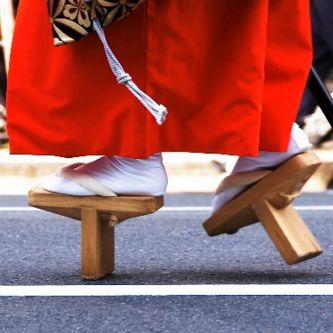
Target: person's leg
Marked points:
3	89
3	80
322	29
123	176
265	161
324	10
3	75
323	63
287	65
3	84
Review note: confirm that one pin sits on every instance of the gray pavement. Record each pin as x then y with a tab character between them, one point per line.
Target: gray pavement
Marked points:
168	314
164	248
168	247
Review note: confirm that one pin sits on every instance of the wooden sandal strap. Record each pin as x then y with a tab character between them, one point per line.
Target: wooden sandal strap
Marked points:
241	179
88	182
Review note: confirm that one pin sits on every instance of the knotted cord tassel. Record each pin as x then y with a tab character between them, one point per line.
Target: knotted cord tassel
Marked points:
159	111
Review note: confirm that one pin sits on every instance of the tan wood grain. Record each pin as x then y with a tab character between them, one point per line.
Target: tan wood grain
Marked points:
270	201
97	246
132	205
287	179
291	236
99	215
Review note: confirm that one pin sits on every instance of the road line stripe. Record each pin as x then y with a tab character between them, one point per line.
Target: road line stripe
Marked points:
314	207
330	207
208	208
18	209
185	209
174	208
169	290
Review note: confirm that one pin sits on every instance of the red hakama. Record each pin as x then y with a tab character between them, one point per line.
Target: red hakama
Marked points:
231	74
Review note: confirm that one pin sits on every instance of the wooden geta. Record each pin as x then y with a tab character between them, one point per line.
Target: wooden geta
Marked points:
99	215
270	201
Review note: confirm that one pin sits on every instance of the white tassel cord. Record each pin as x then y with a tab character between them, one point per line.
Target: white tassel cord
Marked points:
159	111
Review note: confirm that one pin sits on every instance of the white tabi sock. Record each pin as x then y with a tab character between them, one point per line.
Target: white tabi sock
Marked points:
266	160
124	176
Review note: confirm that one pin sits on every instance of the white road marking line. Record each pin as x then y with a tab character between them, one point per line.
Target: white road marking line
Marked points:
170	290
18	209
174	208
208	208
313	207
185	209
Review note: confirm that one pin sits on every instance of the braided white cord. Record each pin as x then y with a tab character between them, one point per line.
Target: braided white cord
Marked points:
159	111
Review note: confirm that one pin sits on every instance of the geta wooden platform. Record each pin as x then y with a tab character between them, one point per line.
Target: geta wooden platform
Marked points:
270	202
98	216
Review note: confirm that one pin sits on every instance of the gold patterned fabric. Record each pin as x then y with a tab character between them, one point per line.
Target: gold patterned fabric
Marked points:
72	19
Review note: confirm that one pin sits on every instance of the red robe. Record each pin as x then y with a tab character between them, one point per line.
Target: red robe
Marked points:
231	74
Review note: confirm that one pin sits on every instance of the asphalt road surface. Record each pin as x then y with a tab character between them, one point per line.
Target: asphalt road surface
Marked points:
167	248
